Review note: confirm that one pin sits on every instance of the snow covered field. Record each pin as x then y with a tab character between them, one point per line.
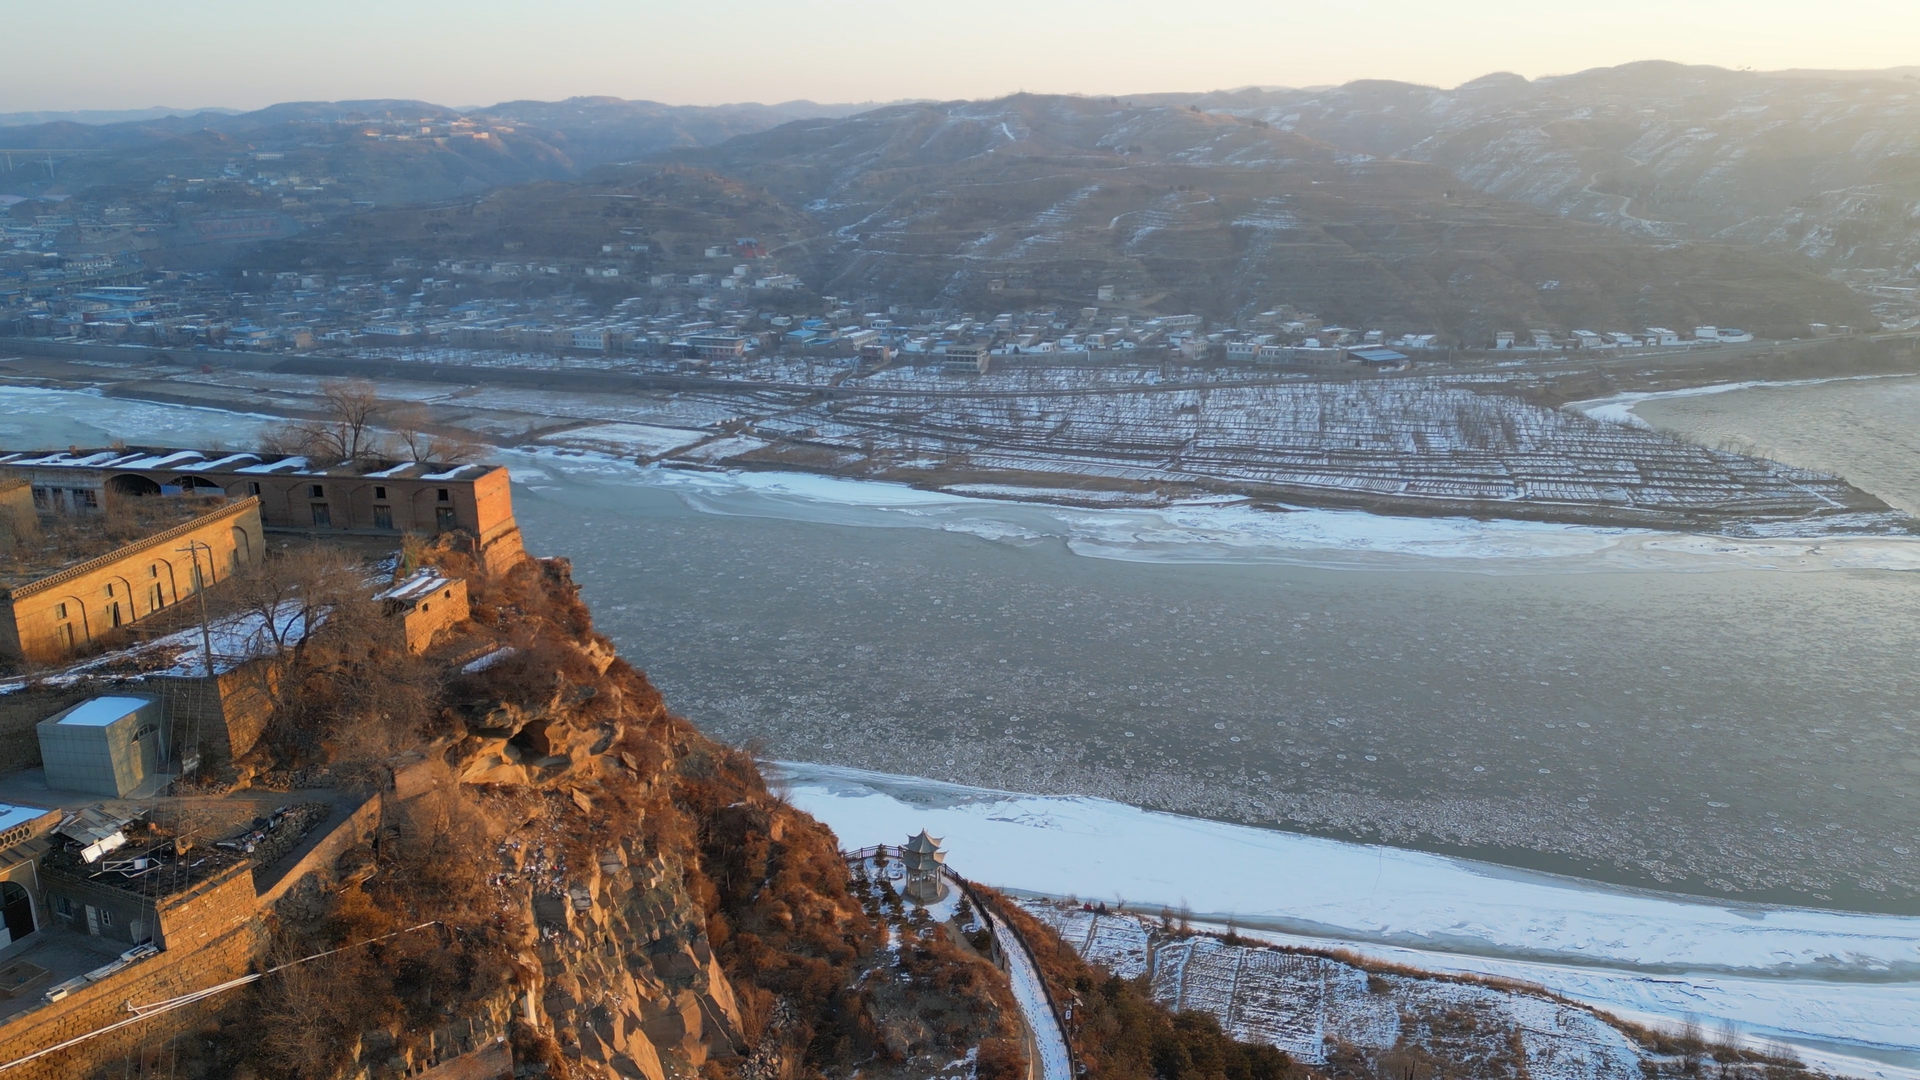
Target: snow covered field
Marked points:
1828	982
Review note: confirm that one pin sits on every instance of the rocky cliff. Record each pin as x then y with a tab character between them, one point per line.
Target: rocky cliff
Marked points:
609	891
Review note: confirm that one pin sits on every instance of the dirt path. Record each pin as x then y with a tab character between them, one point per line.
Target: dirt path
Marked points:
1050	1043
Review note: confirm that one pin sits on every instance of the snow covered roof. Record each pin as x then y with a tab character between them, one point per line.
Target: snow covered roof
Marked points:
291	464
103	711
422	583
242	462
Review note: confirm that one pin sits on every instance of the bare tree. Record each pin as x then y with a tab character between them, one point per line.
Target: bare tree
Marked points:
347	433
409	424
287	596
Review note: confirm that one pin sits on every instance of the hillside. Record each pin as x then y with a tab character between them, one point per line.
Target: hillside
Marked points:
1042	199
653	219
376	150
1824	164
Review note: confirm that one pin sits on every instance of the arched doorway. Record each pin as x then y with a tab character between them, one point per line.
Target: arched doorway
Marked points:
131	486
196	485
17	907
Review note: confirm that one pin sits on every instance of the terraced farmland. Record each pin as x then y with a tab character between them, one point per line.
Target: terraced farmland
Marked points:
1328	1012
1414	445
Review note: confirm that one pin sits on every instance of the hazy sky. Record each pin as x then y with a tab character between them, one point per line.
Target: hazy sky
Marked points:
247	53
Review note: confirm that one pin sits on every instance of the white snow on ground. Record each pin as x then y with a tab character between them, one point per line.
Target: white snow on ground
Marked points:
1814	978
1050	1042
722	449
236	639
1298	1002
628	440
1619	408
1119	942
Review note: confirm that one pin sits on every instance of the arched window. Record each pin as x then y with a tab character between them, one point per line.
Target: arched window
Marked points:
70	630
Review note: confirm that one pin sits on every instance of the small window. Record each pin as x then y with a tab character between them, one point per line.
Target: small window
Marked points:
106	916
445	496
379	492
63	907
316	491
109	588
424	608
253	487
60	611
153	571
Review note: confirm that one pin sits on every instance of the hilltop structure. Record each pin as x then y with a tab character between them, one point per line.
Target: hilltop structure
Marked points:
62	595
374	496
925	861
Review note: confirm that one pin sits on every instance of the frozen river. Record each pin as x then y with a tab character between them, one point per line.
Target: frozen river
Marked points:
1725	717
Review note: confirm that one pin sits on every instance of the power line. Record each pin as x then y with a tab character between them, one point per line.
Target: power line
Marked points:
142	1012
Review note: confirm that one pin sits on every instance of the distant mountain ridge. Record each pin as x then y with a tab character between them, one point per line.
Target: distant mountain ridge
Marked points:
1823	164
101	116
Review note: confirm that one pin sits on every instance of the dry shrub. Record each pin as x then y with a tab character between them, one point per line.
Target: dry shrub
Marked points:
306	1016
1000	1059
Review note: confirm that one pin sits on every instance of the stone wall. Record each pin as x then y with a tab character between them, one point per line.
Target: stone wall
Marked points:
211	909
358	826
229	721
429	615
19	522
157	978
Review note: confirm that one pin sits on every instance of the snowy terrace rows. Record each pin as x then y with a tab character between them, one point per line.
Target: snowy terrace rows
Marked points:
1406	440
1306	1004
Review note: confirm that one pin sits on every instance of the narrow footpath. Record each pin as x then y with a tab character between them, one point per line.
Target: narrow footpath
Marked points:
1050	1043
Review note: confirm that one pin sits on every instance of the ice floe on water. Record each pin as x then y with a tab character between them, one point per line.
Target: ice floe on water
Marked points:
33	417
1847	981
1233	531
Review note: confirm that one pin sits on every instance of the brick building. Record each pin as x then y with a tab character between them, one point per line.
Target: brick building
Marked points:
423	604
375	497
50	610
